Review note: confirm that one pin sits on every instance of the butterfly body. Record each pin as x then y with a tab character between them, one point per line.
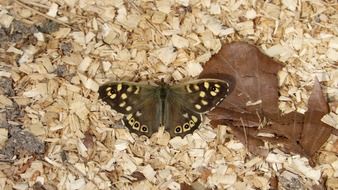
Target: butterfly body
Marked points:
177	107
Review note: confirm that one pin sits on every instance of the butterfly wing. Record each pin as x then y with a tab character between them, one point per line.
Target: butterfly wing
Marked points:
179	120
140	104
186	102
201	95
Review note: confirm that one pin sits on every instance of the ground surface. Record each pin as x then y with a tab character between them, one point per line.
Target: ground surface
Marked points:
55	54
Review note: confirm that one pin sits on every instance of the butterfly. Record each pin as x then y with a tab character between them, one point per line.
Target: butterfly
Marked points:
177	107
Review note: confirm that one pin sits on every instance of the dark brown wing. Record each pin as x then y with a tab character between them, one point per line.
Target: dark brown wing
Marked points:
179	120
201	95
140	104
186	102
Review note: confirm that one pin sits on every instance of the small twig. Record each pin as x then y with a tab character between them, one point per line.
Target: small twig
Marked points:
245	134
7	160
42	14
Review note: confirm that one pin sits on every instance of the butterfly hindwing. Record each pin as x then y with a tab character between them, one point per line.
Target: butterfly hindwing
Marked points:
140	104
179	120
145	120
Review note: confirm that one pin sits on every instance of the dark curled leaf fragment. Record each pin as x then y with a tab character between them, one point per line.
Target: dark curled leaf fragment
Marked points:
254	103
22	142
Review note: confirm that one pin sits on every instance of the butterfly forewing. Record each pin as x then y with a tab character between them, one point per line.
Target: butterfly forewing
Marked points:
140	104
201	95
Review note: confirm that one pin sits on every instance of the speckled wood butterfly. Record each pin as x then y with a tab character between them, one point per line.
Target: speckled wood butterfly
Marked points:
177	107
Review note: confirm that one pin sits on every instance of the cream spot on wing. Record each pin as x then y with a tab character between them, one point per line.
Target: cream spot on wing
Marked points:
216	90
124	96
129	89
202	94
194	118
178	129
217	85
144	128
119	87
196	87
213	93
136	125
137	90
204	102
131	121
122	104
128	108
197	106
108	89
113	96
129	116
206	85
187	87
191	123
109	93
138	113
186	127
185	115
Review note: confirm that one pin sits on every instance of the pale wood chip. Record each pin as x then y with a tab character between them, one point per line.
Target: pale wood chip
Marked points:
37	129
121	144
292	5
178	142
164	6
331	119
193	68
167	54
40	90
222	180
35	166
4	101
333	43
215	8
85	63
250	14
149	173
3	136
27	55
79	37
177	75
180	42
6	20
300	166
62	33
332	54
79	108
53	9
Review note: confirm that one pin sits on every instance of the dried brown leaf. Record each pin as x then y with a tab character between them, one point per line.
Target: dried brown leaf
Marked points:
254	73
315	133
185	186
254	103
